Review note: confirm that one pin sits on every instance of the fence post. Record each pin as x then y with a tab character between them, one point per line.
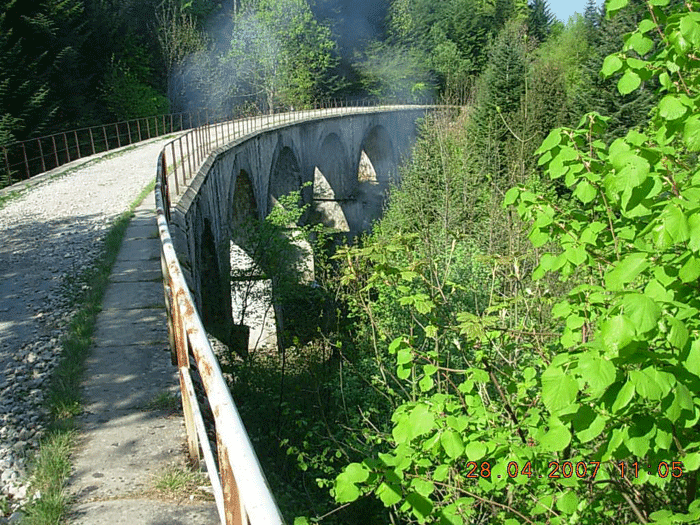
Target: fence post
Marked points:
65	142
172	148
92	141
128	130
171	123
189	152
148	127
119	140
138	126
41	152
26	162
55	150
182	157
104	132
77	143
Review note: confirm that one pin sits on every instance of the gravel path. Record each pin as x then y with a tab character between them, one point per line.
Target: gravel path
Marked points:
50	234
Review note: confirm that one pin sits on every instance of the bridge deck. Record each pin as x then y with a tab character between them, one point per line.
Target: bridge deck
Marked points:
50	234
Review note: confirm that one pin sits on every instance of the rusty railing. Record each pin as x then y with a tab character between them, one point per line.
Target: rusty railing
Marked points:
239	485
25	159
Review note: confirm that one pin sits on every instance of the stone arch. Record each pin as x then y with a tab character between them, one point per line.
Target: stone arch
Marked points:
331	181
377	162
244	209
285	175
216	300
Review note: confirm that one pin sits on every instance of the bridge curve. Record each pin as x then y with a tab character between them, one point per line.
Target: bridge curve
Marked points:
349	157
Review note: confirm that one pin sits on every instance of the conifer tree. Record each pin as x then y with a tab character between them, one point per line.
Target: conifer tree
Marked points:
540	20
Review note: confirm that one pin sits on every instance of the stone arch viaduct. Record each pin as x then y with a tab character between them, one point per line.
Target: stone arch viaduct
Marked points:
344	163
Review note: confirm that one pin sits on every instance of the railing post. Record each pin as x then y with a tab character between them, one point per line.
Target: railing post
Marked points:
55	150
26	162
128	130
148	127
171	123
183	364
180	121
41	152
65	142
182	157
172	149
189	152
77	143
92	141
119	140
104	132
138	127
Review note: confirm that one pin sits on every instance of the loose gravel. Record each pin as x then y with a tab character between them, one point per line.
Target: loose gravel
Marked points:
51	235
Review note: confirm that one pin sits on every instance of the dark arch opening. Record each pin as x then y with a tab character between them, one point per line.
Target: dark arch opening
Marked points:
377	163
285	176
331	179
244	214
216	300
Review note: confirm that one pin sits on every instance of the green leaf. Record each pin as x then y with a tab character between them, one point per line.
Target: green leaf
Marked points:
441	472
426	384
617	333
567	503
585	192
559	390
346	489
556	439
587	424
690	28
692	362
421	421
390	494
694	232
692	461
675	223
645	384
642	311
423	487
691	133
511	196
626	271
613	6
420	506
475	450
598	372
671	108
690	270
678	334
640	43
451	442
628	82
611	65
624	396
552	140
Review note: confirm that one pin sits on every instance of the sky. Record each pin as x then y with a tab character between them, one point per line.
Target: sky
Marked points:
563	9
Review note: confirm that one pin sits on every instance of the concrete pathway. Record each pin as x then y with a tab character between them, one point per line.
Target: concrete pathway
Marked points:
126	443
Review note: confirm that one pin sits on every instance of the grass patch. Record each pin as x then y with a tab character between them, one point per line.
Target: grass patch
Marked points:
180	482
52	464
164	401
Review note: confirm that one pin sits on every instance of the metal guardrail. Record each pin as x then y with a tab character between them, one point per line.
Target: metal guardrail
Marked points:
239	485
24	159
